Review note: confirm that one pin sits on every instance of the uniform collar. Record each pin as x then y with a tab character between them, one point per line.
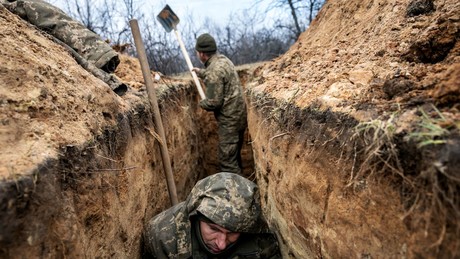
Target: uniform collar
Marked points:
210	60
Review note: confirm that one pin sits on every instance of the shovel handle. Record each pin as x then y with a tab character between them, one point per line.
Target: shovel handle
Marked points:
198	85
190	66
156	110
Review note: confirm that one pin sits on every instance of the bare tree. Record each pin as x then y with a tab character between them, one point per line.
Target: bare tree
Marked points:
296	9
294	16
131	10
243	38
313	7
163	52
82	10
108	18
240	39
107	11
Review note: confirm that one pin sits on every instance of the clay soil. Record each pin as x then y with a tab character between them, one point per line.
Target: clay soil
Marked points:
82	170
347	167
353	137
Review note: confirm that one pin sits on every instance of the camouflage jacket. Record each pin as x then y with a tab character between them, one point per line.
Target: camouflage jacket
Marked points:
224	96
55	22
227	199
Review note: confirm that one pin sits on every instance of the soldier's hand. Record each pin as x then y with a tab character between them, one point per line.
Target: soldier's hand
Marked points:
196	70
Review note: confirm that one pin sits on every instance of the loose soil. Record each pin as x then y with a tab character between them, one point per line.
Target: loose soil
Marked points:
356	164
353	138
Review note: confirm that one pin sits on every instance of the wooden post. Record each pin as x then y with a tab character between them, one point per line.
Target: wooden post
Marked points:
156	111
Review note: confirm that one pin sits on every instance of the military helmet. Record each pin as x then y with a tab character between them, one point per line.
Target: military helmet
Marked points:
227	199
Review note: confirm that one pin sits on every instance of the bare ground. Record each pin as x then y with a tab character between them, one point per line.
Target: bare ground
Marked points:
363	113
353	137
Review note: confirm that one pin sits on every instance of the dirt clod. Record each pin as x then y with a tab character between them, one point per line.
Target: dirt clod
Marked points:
420	7
397	86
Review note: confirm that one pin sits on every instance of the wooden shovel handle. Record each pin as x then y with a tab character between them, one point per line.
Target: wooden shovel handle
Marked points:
190	66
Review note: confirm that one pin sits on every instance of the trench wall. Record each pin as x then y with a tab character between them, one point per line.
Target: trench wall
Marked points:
93	200
304	162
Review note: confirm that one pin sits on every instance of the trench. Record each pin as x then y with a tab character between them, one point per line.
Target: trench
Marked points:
93	200
326	191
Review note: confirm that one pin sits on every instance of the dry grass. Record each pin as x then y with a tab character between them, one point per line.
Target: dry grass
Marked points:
429	193
432	191
431	130
379	150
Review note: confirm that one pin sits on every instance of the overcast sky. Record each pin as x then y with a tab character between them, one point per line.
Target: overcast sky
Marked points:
218	10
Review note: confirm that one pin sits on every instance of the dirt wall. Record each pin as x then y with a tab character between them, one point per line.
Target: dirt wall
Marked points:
307	163
361	119
331	128
93	199
303	166
82	171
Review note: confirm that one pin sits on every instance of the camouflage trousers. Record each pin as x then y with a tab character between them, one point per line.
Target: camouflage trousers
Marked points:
71	32
230	154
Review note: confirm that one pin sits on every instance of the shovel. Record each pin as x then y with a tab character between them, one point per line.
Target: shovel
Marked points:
169	20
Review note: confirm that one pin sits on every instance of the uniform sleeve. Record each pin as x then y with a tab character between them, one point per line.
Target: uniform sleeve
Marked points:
152	247
71	32
214	81
257	246
268	246
158	232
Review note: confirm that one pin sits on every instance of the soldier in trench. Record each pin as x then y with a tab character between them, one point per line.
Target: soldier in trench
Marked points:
224	97
221	218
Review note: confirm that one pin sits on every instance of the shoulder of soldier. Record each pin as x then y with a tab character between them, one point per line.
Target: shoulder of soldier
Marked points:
224	60
221	64
164	224
163	230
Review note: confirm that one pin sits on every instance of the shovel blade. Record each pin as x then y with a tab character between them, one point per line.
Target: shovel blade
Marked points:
168	18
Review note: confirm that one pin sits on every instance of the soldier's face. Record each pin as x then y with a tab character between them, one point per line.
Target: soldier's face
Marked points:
217	238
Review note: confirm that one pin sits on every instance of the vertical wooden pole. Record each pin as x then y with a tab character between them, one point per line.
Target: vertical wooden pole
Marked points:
156	111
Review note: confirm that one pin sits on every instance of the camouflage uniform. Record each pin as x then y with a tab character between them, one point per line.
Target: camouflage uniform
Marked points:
225	98
226	199
52	20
